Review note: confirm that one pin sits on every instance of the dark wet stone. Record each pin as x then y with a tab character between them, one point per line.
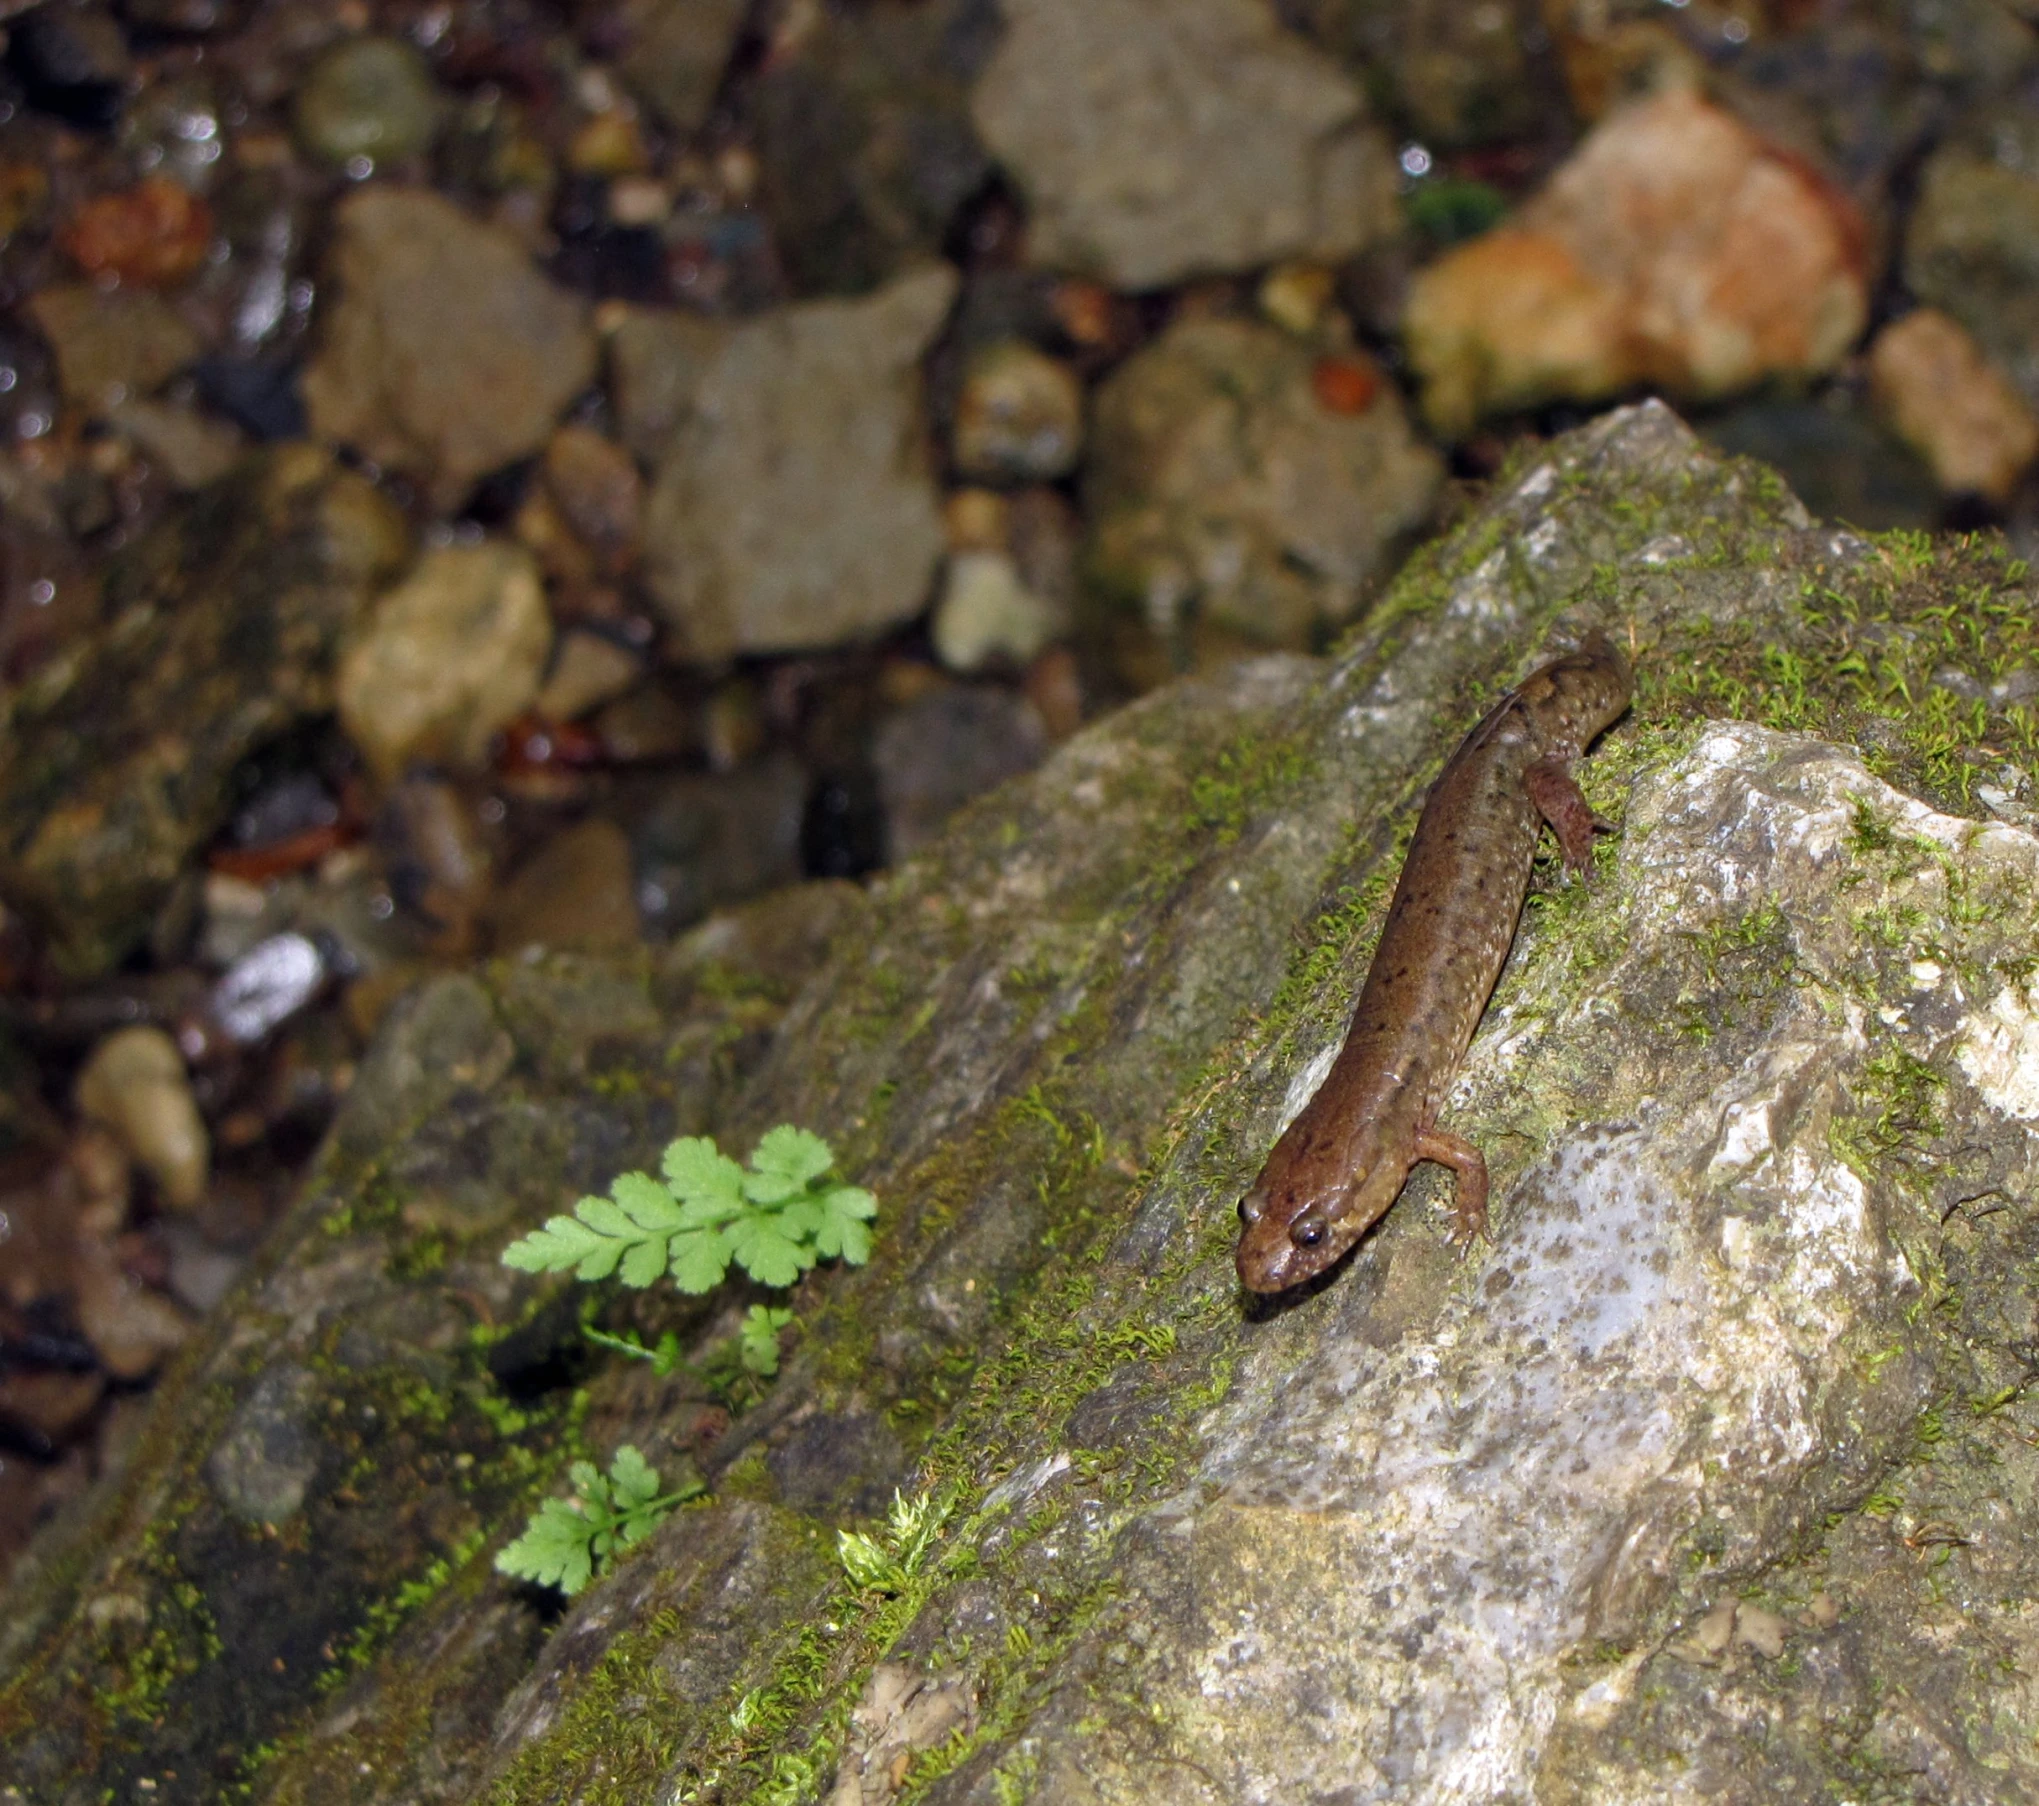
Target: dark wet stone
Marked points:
286	805
225	623
675	52
865	142
73	61
698	843
842	830
945	747
258	395
1836	457
193	18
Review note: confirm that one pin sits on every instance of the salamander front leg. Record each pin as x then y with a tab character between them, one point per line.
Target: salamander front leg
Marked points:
1470	1219
1561	802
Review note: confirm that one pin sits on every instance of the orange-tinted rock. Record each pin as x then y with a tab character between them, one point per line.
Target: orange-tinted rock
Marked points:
1943	397
155	234
1676	248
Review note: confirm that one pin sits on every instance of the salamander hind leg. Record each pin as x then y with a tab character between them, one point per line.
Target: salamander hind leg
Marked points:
1470	1219
1560	802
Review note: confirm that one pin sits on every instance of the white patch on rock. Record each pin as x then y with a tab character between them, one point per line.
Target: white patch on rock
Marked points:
1999	1051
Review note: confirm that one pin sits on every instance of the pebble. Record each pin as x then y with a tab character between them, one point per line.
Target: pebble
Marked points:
135	1084
1160	139
450	656
439	856
699	843
369	97
864	150
191	449
1971	247
732	725
200	1274
674	56
1221	489
1296	296
986	612
446	353
977	520
1458	74
154	234
73	61
176	128
112	345
576	894
1044	534
794	506
24	197
949	745
608	144
47	1407
598	491
185	18
1675	247
645	727
1054	685
588	669
1940	394
233	913
1019	415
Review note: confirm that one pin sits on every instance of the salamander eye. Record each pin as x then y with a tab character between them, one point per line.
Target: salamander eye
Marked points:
1252	1207
1307	1230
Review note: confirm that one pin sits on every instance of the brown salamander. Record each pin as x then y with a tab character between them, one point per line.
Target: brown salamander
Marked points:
1343	1161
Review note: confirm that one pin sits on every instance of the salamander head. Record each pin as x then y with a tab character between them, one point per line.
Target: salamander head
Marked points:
1290	1232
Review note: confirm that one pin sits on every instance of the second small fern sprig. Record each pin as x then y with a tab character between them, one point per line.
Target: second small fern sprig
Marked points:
774	1221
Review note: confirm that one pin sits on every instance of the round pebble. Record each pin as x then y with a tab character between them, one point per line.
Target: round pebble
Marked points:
369	97
986	612
135	1084
1019	417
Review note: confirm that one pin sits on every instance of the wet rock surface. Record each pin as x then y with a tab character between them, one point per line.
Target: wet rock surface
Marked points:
1670	1446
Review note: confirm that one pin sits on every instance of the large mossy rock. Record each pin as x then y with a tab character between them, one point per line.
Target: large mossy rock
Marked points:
1711	1476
